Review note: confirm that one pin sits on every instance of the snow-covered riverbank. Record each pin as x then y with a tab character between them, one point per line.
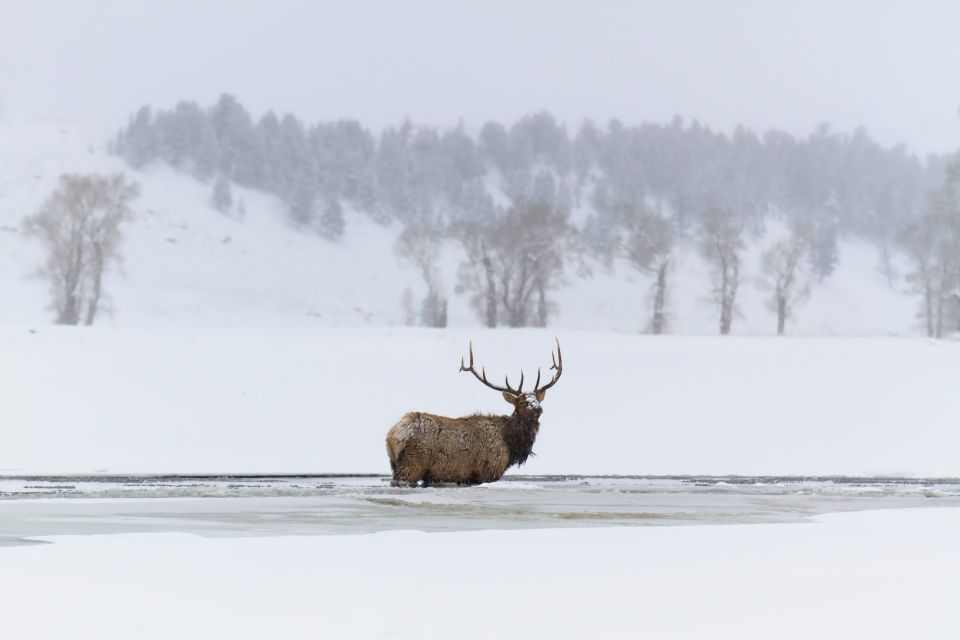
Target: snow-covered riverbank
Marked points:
888	574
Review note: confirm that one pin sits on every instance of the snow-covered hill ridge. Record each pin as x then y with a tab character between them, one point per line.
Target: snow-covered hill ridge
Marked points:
188	265
302	400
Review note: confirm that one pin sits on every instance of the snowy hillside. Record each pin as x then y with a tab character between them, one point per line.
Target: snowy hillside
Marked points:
186	264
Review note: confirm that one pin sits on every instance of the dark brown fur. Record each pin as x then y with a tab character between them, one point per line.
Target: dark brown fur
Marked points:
470	450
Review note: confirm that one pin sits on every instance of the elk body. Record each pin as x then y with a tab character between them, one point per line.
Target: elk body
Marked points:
473	449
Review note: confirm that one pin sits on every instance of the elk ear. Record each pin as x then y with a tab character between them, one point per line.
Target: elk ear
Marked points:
541	394
509	397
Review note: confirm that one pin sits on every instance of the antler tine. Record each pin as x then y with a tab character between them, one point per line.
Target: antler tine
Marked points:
463	368
557	366
519	389
536	385
482	376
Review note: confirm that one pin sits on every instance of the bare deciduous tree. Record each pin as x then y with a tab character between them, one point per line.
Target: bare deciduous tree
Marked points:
782	275
721	245
932	244
79	224
931	247
513	265
420	243
886	259
477	276
648	244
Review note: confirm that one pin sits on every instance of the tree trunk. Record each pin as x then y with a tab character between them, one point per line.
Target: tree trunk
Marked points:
781	314
97	277
70	313
658	323
541	304
886	264
94	300
491	296
728	297
938	330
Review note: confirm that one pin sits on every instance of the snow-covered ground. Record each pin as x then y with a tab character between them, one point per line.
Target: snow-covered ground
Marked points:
889	574
312	400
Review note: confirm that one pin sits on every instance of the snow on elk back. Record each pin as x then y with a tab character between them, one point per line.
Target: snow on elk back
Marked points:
425	448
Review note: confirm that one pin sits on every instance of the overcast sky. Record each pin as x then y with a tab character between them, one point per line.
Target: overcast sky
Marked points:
891	66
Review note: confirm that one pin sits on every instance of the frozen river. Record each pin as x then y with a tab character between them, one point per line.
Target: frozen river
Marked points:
269	506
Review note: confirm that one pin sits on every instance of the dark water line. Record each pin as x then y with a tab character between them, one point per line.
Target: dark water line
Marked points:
688	478
20	542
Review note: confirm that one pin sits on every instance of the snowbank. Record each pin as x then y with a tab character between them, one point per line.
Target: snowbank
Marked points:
321	400
887	574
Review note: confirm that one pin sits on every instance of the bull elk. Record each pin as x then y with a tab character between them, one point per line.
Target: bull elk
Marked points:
425	448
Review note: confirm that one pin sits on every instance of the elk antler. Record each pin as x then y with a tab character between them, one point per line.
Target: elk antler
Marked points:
482	376
557	366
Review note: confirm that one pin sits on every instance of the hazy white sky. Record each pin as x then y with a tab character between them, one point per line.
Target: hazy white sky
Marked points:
892	66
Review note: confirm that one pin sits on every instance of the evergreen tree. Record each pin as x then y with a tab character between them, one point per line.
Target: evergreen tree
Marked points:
273	164
331	222
302	203
138	143
239	155
222	197
824	254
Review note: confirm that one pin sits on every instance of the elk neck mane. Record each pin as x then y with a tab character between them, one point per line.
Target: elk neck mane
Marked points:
519	434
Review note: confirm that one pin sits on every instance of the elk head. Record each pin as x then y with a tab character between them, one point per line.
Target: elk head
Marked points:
525	404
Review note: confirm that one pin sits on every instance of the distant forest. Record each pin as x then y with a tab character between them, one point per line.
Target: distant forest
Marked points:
845	182
614	186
